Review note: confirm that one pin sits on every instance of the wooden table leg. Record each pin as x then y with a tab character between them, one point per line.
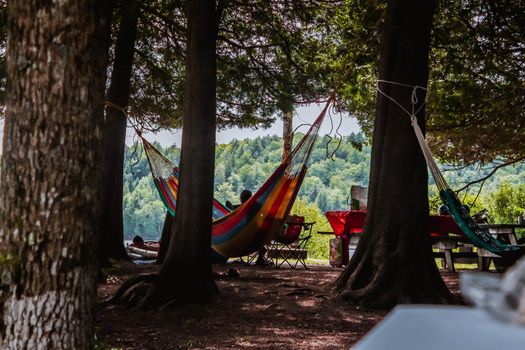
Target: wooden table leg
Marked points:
448	260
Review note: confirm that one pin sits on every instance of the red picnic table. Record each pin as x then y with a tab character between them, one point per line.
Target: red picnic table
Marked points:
352	221
349	223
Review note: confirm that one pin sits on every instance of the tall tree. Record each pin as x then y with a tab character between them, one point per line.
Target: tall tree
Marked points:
186	272
286	107
3	37
393	262
287	133
49	218
165	237
112	226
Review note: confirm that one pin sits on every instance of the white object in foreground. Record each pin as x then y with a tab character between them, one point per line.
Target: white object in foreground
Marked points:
421	327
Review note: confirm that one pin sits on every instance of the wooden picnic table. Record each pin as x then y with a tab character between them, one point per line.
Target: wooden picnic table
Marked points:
348	225
446	236
503	232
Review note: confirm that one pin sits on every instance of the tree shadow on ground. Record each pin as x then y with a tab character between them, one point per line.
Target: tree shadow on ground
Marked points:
264	308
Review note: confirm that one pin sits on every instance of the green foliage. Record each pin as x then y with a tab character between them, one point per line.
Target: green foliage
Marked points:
10	260
318	245
225	193
143	210
476	98
507	203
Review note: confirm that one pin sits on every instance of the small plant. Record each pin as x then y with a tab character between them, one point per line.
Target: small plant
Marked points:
102	346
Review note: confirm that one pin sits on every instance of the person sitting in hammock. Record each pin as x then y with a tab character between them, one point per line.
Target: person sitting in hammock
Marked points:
245	195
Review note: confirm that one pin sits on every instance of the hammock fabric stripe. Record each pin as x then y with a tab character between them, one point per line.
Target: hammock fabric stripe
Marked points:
480	236
164	198
270	223
226	223
168	187
258	220
253	231
219	210
228	229
168	196
168	192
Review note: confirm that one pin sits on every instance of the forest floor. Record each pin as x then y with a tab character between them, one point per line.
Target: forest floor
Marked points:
263	308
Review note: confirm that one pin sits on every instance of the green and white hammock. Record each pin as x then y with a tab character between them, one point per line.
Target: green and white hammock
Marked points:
479	236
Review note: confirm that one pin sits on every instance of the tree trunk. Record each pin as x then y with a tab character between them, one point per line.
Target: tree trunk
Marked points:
186	272
165	237
112	236
4	138
49	203
393	262
287	133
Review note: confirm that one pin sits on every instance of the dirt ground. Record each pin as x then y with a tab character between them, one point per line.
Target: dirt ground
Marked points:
263	308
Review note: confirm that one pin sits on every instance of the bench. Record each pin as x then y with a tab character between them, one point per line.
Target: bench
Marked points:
503	232
446	245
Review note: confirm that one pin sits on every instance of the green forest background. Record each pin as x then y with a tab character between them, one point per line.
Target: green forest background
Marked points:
246	164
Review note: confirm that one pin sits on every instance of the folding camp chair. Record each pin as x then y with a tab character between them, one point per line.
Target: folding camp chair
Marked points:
289	244
248	259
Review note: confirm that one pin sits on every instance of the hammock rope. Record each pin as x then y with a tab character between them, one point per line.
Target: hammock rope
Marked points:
337	136
480	236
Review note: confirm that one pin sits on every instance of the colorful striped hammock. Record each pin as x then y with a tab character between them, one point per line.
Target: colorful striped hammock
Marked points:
167	181
244	230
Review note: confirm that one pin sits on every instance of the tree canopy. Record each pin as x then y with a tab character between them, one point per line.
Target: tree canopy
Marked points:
476	100
286	52
269	56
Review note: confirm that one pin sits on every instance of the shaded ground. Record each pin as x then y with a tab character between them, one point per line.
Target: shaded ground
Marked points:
264	308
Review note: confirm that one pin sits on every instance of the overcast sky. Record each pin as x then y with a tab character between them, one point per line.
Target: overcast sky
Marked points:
305	114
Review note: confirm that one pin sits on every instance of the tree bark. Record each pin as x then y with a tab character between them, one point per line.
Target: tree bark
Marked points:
287	133
49	203
393	261
165	237
186	272
112	236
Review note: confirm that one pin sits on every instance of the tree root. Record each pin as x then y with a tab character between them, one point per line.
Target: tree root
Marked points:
387	286
143	293
127	291
368	298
